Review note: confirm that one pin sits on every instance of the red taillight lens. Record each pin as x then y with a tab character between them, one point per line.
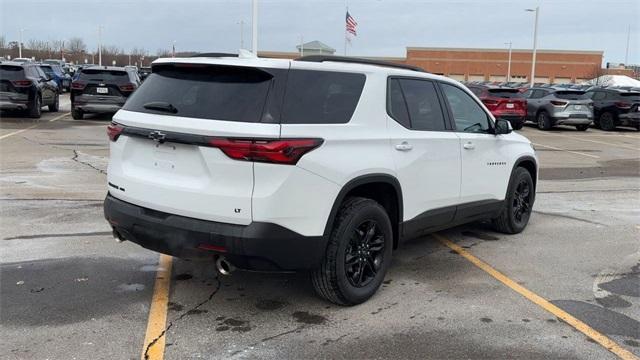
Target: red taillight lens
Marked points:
623	105
78	85
490	103
287	151
114	130
21	83
127	87
558	103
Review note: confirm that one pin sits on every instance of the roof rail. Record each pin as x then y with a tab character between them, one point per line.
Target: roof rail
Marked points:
215	55
355	60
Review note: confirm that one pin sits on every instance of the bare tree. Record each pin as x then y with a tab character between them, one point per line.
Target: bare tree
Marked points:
163	53
76	45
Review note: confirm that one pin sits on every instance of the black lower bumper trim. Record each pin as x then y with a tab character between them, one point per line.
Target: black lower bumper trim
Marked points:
257	246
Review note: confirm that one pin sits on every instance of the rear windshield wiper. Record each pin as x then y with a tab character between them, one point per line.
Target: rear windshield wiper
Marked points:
161	106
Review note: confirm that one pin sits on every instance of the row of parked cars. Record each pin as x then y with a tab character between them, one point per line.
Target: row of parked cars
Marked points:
27	87
548	106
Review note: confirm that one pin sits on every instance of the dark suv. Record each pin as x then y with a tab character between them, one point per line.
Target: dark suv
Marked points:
25	87
101	89
615	107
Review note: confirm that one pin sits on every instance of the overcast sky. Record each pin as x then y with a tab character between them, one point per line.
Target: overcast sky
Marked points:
385	27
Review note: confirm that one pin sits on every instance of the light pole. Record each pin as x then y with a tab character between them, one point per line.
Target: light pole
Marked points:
100	45
626	54
509	63
254	24
535	43
20	43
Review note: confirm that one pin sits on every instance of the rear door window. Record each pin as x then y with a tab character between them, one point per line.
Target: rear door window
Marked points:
321	97
397	107
214	92
425	112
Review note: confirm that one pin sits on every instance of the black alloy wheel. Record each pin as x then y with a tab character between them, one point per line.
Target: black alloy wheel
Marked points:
364	254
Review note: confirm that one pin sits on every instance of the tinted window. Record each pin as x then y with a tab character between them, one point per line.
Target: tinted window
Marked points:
105	76
208	92
47	70
321	97
476	91
397	105
9	72
424	108
505	93
527	94
570	95
599	95
538	94
468	115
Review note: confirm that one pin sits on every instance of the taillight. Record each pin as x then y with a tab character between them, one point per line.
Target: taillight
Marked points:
490	102
558	103
623	104
287	151
127	87
78	85
21	83
114	130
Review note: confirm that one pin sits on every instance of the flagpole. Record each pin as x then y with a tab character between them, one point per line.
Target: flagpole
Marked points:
346	11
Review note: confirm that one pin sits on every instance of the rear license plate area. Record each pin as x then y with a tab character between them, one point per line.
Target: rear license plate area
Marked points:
102	90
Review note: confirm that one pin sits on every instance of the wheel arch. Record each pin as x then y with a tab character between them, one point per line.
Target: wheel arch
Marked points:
529	163
375	187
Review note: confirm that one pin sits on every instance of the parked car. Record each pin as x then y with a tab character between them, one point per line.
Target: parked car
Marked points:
144	72
101	89
503	102
22	60
25	87
615	107
58	75
216	157
549	107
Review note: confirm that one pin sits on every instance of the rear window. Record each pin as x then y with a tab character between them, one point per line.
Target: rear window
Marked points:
105	76
47	70
227	93
634	95
9	72
571	95
321	97
505	93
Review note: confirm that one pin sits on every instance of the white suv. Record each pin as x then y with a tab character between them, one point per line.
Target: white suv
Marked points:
321	163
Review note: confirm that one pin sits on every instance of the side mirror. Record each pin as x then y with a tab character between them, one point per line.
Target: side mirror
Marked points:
503	127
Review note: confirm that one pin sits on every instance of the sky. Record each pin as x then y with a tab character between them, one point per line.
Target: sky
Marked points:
385	27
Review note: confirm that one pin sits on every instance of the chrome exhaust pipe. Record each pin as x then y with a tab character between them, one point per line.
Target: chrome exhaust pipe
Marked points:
223	266
118	237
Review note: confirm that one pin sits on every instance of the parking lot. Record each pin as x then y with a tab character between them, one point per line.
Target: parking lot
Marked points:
69	291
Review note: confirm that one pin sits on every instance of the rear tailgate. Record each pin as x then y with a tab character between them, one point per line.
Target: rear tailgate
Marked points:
505	101
162	159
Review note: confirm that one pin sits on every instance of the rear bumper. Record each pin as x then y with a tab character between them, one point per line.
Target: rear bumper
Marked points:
257	246
97	107
97	104
512	118
629	119
13	105
572	120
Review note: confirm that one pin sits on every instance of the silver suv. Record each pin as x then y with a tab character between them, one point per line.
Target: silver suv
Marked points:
549	107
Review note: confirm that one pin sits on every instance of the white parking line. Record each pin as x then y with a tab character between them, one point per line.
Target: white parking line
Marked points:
597	142
569	151
31	127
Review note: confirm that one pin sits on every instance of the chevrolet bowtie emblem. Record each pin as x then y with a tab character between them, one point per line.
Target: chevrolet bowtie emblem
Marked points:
157	136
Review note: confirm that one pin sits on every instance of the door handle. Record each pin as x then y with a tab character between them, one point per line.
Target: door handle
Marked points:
469	146
404	146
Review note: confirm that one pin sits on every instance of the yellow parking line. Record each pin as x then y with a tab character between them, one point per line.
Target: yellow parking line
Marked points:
596	141
542	302
569	151
154	339
31	127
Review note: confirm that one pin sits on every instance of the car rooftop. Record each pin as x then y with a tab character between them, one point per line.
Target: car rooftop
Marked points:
98	67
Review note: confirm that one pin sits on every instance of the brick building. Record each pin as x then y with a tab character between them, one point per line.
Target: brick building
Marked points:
556	66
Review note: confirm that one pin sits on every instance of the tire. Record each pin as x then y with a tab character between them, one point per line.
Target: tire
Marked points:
340	281
56	104
35	110
77	114
544	121
607	121
582	127
518	204
517	125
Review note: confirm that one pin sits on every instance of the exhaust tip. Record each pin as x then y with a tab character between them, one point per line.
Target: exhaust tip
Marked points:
223	266
117	236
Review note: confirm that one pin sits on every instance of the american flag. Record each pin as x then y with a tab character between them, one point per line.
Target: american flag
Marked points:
351	24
